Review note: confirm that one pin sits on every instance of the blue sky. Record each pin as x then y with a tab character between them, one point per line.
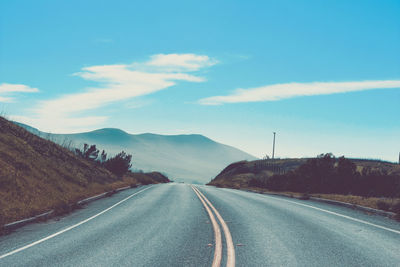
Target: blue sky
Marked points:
325	75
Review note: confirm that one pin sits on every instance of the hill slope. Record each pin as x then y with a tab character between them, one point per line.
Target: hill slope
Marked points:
189	158
37	175
238	174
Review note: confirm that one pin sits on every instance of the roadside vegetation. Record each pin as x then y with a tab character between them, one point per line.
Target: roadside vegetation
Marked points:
37	175
328	177
119	165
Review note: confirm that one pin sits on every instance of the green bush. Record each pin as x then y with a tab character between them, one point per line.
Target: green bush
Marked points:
120	164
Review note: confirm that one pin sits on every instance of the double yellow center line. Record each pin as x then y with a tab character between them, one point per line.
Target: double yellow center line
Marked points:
230	262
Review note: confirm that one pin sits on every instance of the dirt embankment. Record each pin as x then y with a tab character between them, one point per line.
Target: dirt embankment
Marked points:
37	175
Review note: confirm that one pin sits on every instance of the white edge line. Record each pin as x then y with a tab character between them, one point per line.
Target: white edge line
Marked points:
70	227
338	214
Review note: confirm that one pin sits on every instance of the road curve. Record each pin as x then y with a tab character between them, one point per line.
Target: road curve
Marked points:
230	257
167	225
217	232
278	231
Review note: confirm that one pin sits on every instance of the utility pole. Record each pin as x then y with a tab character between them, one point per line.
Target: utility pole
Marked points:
273	147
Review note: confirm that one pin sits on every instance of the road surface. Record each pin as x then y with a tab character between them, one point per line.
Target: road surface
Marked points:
178	225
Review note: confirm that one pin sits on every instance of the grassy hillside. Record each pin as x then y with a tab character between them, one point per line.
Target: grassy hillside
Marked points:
189	158
239	174
370	183
37	175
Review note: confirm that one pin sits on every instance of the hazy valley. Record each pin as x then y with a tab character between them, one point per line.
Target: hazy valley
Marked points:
190	158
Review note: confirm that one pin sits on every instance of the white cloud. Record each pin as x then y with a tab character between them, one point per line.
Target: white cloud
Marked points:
6	99
179	62
56	124
288	90
116	83
7	89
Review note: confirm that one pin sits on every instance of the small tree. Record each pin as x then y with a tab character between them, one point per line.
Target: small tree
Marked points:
120	164
103	156
88	152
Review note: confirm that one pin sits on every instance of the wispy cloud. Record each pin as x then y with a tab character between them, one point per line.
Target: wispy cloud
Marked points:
7	89
288	90
181	62
116	83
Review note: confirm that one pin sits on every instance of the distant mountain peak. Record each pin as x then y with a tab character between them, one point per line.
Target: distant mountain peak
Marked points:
112	131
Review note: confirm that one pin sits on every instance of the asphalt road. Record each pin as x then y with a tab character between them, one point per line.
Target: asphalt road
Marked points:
168	225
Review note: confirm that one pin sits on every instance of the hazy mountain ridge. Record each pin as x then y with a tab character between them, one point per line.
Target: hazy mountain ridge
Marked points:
189	157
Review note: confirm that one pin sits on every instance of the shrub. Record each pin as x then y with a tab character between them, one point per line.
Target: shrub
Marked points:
62	208
254	182
120	164
88	152
158	177
382	205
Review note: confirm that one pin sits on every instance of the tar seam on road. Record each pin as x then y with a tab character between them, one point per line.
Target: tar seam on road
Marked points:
344	216
217	233
230	262
70	227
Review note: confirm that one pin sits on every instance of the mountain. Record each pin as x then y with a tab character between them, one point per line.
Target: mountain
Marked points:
190	158
37	175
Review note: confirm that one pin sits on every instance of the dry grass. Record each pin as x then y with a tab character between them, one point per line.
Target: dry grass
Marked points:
37	175
34	204
371	202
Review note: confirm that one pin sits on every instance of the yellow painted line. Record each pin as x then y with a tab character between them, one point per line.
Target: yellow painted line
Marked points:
217	233
230	262
70	227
